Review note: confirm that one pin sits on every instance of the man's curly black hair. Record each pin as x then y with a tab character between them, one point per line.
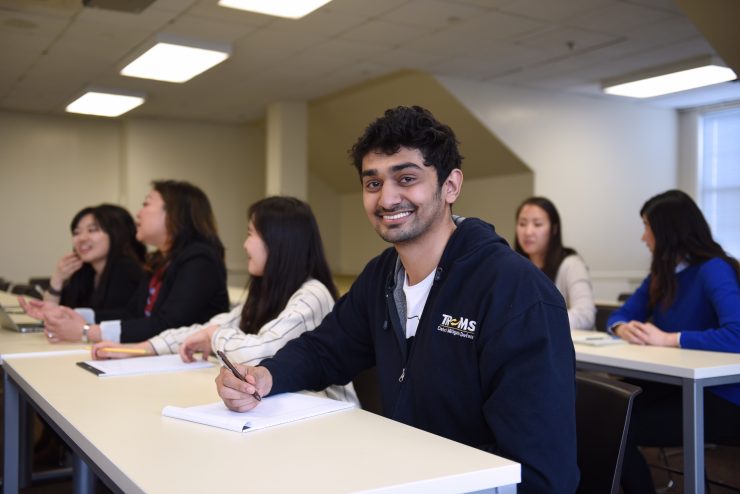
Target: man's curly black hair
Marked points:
411	127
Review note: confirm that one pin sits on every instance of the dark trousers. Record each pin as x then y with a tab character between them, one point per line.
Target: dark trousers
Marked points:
657	422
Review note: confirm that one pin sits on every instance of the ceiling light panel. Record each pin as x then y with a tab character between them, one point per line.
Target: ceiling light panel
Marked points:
104	103
673	83
293	9
681	76
176	61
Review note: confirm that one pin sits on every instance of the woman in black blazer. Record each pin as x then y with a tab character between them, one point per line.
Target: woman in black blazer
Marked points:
186	275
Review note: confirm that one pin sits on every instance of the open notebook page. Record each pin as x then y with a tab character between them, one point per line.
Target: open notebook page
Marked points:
272	411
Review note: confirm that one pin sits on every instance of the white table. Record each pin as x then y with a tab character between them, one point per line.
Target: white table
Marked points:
29	345
116	425
693	370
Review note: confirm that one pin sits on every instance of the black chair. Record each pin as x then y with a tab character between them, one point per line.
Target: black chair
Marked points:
603	311
26	290
603	411
40	284
368	391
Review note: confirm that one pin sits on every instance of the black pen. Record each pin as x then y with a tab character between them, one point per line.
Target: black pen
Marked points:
233	370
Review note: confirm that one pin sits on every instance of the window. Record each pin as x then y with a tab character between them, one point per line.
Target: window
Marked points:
719	176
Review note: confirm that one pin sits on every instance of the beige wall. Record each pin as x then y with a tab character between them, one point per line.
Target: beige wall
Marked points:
326	205
495	200
50	167
226	161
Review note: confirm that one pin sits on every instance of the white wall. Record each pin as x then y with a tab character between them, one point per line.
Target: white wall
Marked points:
50	167
597	160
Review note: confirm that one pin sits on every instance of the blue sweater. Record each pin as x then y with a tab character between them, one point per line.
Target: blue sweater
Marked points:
706	311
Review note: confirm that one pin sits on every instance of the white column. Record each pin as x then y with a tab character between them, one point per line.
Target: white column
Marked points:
287	149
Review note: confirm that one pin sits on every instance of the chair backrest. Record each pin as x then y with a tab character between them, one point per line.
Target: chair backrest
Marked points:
603	311
25	290
603	410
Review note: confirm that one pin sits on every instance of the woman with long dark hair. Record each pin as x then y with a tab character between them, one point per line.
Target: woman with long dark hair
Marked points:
690	299
186	274
290	291
105	265
539	238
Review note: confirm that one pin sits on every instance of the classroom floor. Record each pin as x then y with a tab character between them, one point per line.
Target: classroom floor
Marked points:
722	465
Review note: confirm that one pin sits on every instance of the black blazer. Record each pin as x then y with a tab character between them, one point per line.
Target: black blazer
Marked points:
114	291
193	290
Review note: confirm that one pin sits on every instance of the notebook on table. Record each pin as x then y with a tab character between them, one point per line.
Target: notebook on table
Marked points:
598	339
272	411
17	320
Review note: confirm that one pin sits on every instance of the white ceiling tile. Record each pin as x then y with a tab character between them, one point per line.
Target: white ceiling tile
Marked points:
56	8
59	47
431	13
404	58
487	4
496	26
619	17
364	8
273	42
557	11
567	40
206	29
28	23
668	5
383	33
211	10
324	22
666	31
149	19
348	51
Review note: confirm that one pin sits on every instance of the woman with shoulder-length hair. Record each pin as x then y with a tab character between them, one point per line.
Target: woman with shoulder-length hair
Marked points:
105	265
690	299
186	274
290	291
539	238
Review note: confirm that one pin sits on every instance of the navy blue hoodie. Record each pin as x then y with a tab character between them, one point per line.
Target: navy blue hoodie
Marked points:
492	364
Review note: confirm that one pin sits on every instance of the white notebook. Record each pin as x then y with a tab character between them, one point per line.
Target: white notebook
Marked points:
598	339
141	365
273	410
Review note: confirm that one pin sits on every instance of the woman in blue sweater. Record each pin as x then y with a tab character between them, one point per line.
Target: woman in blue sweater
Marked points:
691	299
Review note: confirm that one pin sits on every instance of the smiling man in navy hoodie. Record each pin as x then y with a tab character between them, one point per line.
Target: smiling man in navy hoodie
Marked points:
470	340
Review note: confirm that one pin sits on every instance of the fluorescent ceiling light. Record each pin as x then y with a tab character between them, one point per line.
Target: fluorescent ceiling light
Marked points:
176	61
104	103
688	75
293	9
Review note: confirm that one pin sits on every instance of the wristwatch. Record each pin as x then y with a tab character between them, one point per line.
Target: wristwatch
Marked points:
85	330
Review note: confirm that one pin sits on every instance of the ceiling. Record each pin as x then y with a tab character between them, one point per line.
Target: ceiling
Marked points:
50	50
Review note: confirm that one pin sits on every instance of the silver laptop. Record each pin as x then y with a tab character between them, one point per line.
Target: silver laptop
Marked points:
14	319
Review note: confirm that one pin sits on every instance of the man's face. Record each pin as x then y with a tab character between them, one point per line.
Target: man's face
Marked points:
401	195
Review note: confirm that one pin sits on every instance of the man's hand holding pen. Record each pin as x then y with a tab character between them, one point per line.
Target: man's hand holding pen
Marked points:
239	395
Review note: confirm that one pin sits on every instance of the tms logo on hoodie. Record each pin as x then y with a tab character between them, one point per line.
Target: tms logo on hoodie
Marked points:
458	326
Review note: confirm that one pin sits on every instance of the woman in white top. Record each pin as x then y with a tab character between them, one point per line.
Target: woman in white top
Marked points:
290	291
539	237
